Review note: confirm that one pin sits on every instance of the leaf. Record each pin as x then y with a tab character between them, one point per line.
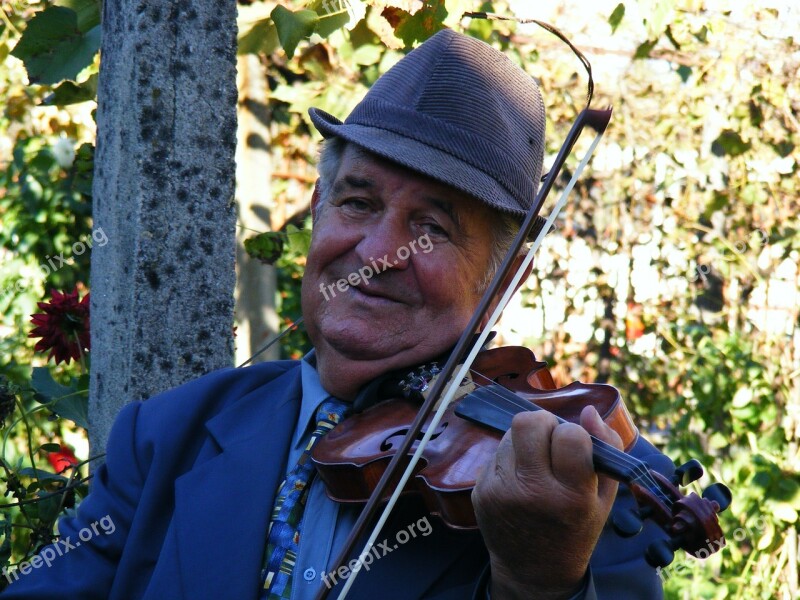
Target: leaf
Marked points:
783	148
53	48
299	240
785	512
41	475
74	408
766	537
729	143
701	35
742	397
368	54
266	247
67	402
658	15
50	447
88	12
49	507
419	26
644	49
293	26
616	17
261	37
257	33
455	10
82	175
5	548
333	15
73	93
378	24
46	387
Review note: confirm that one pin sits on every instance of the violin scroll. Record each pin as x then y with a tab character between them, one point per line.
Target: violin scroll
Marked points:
690	520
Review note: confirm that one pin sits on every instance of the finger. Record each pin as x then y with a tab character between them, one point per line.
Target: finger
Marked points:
531	434
591	421
572	458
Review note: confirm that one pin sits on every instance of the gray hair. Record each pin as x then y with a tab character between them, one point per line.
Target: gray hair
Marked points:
504	226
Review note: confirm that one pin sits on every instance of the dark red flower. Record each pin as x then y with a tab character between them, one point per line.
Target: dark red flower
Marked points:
63	326
62	460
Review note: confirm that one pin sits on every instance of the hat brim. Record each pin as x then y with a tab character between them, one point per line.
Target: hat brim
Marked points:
421	158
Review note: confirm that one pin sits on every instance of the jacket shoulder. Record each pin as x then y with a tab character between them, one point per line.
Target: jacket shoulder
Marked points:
205	396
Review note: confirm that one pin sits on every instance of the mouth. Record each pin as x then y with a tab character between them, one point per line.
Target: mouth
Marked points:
373	295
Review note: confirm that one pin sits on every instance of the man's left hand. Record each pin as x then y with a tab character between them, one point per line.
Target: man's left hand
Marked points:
541	506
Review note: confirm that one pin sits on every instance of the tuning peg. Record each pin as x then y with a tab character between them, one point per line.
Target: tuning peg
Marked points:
626	522
720	494
662	552
688	472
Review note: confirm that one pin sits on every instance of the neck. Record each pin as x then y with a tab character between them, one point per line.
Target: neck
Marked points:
343	376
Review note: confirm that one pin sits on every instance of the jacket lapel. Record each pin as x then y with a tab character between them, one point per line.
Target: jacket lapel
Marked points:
222	506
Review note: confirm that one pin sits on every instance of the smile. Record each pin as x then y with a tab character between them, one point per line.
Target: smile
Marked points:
368	296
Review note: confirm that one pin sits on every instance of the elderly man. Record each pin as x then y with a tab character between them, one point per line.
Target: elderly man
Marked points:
424	183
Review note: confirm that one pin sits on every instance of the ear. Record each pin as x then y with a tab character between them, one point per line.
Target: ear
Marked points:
504	286
315	201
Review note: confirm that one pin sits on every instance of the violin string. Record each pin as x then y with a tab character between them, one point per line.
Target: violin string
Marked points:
615	456
638	471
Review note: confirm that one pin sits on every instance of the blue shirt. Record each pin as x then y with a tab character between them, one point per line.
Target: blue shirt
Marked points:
326	524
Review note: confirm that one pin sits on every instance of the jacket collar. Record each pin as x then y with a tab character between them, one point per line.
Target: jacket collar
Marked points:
223	505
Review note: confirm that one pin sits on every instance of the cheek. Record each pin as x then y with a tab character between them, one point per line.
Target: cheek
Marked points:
451	289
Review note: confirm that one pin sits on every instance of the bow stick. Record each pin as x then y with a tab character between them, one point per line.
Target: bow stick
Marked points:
597	120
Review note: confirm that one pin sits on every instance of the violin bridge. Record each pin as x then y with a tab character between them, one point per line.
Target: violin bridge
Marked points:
420	382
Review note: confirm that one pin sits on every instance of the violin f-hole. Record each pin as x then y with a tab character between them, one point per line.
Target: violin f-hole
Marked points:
389	443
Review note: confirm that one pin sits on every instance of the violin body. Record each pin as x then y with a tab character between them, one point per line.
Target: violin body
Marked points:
445	477
352	457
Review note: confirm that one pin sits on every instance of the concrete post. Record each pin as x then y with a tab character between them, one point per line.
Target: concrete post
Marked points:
162	287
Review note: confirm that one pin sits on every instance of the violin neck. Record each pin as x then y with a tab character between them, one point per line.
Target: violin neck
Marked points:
494	406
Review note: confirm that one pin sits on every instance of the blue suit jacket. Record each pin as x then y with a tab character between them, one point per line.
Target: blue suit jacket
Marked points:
189	483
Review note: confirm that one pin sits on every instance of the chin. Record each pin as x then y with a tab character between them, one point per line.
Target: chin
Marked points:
348	343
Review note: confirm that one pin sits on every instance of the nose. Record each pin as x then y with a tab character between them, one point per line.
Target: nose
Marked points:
385	244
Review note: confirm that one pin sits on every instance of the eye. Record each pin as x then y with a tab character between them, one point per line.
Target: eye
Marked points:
355	205
434	230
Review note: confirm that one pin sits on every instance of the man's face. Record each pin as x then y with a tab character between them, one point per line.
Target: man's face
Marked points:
393	272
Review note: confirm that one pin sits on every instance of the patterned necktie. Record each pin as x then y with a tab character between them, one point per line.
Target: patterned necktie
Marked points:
284	530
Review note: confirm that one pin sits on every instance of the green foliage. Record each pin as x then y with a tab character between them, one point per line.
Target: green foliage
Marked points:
45	210
293	26
72	93
54	48
67	401
616	17
266	247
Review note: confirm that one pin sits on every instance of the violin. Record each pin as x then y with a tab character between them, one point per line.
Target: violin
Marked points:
352	457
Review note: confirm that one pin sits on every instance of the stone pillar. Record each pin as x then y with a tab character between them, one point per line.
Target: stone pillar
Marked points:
162	287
